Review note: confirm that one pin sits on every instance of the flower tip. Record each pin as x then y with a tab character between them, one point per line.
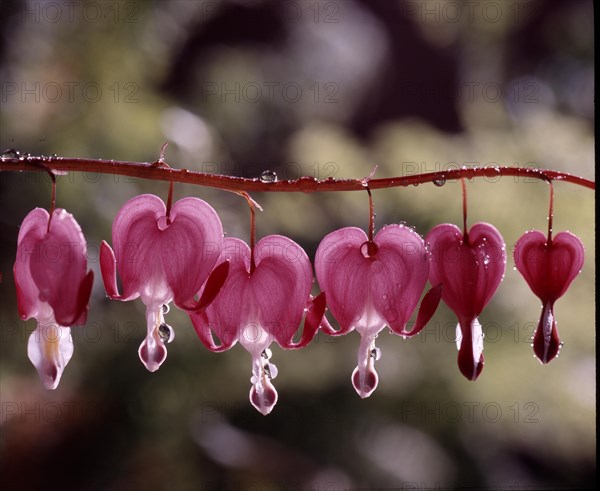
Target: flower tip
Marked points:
365	383
50	376
50	348
546	352
546	343
263	396
152	354
471	371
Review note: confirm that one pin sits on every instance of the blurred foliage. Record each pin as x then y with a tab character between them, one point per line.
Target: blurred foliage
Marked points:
326	89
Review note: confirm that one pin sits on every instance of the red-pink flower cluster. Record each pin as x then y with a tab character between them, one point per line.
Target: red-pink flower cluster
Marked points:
254	296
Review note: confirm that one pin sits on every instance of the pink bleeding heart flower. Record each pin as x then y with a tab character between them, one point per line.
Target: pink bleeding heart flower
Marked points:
53	286
261	304
161	259
549	267
470	267
373	284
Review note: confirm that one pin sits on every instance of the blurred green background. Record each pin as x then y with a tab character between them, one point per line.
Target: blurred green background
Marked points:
324	89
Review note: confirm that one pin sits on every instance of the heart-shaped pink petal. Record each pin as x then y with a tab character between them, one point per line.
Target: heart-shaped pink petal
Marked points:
368	291
470	272
163	258
281	284
549	269
51	267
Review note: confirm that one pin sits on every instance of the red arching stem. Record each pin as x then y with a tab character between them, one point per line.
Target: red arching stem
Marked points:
464	194
151	170
550	213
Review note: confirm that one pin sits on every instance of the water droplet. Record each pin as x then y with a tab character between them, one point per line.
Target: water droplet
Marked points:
268	176
369	249
166	308
267	354
166	332
439	182
415	184
11	153
376	354
271	370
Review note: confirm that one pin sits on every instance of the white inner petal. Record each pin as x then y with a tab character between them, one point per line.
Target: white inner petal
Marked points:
370	322
50	347
254	338
548	321
476	335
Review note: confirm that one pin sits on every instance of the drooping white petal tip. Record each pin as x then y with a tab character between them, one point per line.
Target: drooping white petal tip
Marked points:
366	382
50	347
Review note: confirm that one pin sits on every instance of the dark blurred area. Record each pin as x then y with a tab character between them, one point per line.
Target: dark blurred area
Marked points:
323	89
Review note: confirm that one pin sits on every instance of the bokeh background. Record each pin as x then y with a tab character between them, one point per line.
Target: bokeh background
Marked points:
324	89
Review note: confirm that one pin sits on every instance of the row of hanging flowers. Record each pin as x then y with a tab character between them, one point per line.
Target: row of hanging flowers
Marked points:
260	293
